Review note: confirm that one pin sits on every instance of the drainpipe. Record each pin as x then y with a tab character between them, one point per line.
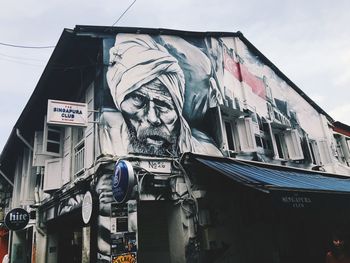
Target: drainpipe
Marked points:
39	174
24	140
6	178
38	170
27	144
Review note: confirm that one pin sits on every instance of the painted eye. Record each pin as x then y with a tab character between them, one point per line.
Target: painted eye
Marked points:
162	105
138	100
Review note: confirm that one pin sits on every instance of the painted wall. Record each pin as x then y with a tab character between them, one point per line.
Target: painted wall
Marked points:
161	92
261	85
162	88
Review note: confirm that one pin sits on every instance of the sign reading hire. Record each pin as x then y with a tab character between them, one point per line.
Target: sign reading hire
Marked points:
16	219
66	113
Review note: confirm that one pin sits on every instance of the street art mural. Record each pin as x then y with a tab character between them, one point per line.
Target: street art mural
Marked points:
159	96
271	96
162	88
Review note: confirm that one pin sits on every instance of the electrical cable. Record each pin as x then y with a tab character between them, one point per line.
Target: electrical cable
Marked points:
124	13
19	46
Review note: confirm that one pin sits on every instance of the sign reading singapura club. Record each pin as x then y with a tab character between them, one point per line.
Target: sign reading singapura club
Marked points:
66	113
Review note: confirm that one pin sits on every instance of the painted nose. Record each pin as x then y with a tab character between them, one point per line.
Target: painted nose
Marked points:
152	115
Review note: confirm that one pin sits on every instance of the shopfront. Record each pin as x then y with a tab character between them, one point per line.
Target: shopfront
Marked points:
255	212
69	228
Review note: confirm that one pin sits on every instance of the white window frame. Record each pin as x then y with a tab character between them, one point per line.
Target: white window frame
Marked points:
78	151
315	153
226	145
290	144
56	129
282	145
343	148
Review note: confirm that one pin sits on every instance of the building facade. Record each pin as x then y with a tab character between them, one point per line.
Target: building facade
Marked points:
132	181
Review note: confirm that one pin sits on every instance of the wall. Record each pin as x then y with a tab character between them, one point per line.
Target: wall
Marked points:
161	91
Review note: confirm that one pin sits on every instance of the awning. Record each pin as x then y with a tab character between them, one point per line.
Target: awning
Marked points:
291	186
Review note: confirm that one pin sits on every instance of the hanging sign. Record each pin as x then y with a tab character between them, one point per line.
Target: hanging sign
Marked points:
123	181
87	207
16	219
66	113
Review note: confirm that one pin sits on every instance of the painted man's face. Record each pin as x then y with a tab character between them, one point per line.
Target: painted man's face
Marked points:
152	119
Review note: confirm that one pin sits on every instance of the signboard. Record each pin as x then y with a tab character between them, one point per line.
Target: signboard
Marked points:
294	200
16	219
86	210
125	258
123	181
67	113
156	166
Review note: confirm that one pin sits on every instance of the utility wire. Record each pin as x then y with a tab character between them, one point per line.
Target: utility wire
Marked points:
43	47
124	12
18	46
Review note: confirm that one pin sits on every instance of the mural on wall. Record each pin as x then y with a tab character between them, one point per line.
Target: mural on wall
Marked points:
272	96
162	88
117	224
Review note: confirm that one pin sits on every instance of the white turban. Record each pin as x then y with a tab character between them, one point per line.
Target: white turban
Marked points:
136	60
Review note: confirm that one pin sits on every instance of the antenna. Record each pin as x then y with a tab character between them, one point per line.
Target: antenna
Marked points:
124	12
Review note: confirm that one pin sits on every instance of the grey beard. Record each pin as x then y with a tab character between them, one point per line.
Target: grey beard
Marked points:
140	145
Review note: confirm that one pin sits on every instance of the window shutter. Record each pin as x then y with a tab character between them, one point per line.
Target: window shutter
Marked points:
345	148
67	154
53	174
293	144
89	131
27	178
315	152
324	152
246	135
39	157
52	140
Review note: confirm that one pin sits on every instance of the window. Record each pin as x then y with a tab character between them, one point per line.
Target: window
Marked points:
230	138
52	140
79	150
342	148
279	145
293	143
262	135
287	145
320	152
245	130
239	135
315	153
53	174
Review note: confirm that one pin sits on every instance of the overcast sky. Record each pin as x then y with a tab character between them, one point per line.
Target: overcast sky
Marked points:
309	41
